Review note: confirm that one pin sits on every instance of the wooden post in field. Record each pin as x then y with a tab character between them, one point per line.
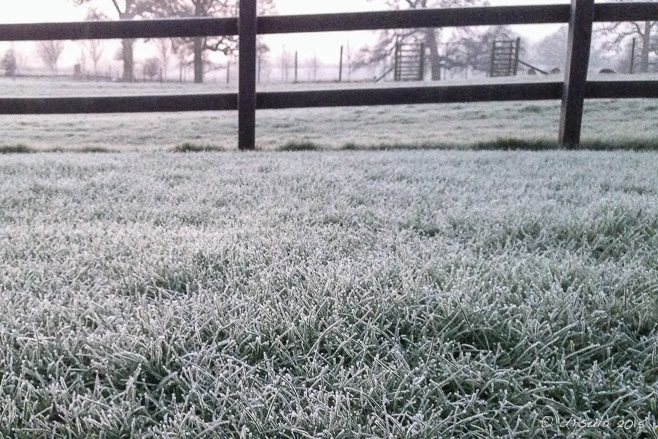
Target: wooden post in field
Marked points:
421	64
396	68
247	23
575	80
632	57
340	66
515	67
493	58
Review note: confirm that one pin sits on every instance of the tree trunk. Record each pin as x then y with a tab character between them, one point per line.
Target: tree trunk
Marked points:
435	59
198	60
646	48
128	61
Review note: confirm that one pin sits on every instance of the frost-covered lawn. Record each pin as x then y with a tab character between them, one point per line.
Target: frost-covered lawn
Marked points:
348	294
456	125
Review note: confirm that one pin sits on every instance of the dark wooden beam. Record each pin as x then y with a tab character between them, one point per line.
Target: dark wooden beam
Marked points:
326	98
622	90
91	30
119	104
410	95
452	17
247	26
575	81
626	12
193	27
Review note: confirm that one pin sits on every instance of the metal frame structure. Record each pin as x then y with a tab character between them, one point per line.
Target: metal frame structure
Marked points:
505	57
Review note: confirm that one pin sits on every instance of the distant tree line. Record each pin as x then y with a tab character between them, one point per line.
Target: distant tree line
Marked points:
447	50
469	49
197	48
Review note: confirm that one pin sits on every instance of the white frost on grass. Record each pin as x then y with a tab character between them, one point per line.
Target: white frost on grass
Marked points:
408	294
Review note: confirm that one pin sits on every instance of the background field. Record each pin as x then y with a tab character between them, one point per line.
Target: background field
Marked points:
455	125
336	294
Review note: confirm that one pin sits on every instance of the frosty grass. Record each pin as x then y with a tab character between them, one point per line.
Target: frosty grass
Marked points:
412	294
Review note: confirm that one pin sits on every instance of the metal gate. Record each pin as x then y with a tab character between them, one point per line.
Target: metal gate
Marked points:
505	58
409	62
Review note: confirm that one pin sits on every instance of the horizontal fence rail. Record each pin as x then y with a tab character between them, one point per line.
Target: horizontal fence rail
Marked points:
99	30
355	21
120	104
580	15
324	98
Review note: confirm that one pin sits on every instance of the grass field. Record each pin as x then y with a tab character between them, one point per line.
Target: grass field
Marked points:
616	122
409	294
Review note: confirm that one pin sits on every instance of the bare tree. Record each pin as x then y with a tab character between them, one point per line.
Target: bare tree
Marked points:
151	68
50	51
286	59
129	10
550	53
94	49
262	59
626	59
620	33
207	8
9	63
182	53
165	49
314	64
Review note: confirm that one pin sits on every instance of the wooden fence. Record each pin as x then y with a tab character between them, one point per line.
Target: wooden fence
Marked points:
575	88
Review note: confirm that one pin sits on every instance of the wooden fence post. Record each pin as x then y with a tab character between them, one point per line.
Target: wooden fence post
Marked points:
421	66
516	56
493	59
575	80
340	66
247	27
396	68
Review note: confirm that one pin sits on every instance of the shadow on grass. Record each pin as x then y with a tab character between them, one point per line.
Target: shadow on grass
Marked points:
15	149
509	144
96	149
500	144
24	149
193	147
305	145
516	144
403	146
